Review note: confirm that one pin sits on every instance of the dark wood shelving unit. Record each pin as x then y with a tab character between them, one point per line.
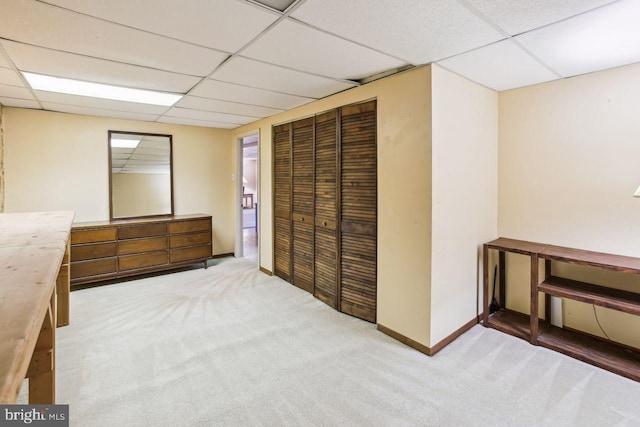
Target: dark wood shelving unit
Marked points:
615	299
511	322
605	354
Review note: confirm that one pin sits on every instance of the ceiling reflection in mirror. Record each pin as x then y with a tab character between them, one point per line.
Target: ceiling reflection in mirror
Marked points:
140	174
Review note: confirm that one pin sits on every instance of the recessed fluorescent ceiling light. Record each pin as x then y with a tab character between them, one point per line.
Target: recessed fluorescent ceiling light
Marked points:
98	90
124	143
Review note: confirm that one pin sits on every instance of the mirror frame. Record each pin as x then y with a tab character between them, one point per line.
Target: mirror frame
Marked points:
110	132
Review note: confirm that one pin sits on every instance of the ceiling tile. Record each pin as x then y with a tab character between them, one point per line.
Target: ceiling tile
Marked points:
417	31
15	92
19	103
271	77
193	122
298	46
10	77
3	61
499	66
87	111
62	64
206	104
49	26
224	25
518	16
209	116
604	38
104	104
247	95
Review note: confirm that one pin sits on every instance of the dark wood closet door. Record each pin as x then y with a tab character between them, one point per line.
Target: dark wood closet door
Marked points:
302	217
282	201
358	193
326	212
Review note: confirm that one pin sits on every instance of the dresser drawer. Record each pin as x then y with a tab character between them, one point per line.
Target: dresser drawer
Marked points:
93	251
132	262
195	252
192	239
137	231
189	226
93	267
92	236
134	246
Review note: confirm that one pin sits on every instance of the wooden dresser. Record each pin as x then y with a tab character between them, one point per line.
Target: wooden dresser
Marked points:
121	248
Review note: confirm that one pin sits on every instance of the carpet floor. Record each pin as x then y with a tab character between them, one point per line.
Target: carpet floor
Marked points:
230	346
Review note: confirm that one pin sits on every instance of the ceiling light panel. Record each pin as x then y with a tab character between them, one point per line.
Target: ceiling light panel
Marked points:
224	25
197	103
247	95
603	38
252	73
49	26
56	63
10	77
18	103
105	104
209	116
15	92
417	31
193	122
98	90
499	66
86	111
300	47
518	16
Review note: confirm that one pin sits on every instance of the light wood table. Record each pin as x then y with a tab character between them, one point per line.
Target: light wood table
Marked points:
34	269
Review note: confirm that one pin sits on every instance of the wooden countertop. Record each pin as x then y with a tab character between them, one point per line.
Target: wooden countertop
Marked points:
32	247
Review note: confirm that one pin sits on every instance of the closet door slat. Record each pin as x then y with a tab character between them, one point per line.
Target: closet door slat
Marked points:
282	201
302	140
358	211
326	212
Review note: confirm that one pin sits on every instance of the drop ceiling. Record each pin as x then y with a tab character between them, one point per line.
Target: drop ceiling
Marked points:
236	61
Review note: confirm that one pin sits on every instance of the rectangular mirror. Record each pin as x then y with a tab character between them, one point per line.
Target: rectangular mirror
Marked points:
140	183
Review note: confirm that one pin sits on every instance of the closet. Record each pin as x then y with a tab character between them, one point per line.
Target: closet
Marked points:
325	207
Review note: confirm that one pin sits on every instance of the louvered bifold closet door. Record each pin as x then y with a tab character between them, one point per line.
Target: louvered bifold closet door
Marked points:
326	212
282	200
358	228
302	204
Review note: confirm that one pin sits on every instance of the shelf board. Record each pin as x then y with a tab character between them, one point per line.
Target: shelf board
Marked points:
628	302
594	259
597	352
516	246
511	322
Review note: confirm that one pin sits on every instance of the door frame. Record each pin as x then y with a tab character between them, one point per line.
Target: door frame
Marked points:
237	179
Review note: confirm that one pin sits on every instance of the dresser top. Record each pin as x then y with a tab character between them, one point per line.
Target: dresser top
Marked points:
138	221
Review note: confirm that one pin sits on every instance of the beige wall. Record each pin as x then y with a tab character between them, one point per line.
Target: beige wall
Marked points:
140	194
56	161
404	193
1	160
465	196
568	166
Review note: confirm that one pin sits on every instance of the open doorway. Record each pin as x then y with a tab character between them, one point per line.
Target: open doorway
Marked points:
250	203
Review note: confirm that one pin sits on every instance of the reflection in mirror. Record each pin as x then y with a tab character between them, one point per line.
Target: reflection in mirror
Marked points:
140	183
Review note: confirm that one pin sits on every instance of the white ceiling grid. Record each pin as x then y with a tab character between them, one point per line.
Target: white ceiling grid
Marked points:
237	61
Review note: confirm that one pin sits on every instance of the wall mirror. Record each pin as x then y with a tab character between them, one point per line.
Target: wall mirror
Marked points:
140	183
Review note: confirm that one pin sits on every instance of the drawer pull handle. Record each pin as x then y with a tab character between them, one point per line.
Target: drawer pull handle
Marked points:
324	223
302	219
